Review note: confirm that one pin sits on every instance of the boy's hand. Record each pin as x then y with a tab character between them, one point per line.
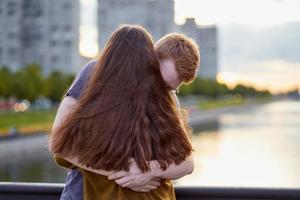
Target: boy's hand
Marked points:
135	179
151	185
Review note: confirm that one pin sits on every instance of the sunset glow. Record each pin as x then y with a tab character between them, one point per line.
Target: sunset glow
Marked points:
276	74
88	45
254	12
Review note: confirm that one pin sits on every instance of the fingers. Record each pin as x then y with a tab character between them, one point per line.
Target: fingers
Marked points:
141	190
117	175
154	183
150	187
128	184
156	179
145	188
132	181
123	181
135	181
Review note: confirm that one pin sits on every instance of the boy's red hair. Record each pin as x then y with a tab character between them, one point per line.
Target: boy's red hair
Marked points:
184	51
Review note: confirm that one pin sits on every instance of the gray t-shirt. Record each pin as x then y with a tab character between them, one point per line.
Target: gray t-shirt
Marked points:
80	80
73	189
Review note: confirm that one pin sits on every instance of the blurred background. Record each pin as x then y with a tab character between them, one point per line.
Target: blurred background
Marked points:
244	104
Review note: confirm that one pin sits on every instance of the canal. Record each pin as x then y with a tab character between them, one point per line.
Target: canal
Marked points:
256	146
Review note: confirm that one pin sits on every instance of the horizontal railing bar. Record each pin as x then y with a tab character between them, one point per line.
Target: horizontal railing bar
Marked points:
54	189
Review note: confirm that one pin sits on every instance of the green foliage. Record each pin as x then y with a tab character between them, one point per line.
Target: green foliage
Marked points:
205	87
5	84
213	89
56	84
30	83
219	103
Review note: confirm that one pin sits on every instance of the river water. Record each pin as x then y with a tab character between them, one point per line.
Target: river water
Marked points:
254	147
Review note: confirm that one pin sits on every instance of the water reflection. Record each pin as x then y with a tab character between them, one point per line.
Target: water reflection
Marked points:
37	171
257	147
207	126
253	147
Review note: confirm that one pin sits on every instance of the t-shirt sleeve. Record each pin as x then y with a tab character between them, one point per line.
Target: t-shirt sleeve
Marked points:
81	78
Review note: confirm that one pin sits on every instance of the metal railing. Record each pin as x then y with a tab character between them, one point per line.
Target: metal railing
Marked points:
52	191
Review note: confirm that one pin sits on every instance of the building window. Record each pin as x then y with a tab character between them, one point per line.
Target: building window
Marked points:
68	43
38	36
12	36
12	53
68	27
54	59
53	43
11	8
67	5
28	39
32	8
1	7
54	28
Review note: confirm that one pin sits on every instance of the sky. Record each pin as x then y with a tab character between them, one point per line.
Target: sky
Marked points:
88	44
257	38
251	12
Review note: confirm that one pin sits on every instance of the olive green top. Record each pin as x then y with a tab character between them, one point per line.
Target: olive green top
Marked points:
97	186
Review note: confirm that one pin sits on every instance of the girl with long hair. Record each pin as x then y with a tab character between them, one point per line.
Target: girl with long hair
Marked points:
125	113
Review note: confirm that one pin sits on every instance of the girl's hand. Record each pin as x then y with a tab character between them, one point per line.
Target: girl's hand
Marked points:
151	185
134	178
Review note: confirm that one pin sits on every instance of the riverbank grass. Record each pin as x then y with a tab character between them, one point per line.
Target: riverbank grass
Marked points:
235	101
220	103
31	121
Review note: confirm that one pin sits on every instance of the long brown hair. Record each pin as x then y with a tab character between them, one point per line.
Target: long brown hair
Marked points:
125	111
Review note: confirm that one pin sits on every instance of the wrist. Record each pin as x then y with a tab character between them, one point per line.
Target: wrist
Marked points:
155	169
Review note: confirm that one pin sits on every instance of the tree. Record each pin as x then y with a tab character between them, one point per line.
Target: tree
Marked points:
56	85
28	82
6	89
212	88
